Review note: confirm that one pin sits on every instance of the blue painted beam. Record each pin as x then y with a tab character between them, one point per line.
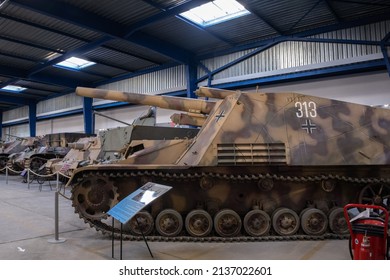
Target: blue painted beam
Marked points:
88	116
263	19
242	58
307	12
191	77
79	51
1	124
385	51
32	115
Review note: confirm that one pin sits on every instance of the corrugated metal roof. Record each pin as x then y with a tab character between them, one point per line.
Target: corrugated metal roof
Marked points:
121	11
125	37
184	35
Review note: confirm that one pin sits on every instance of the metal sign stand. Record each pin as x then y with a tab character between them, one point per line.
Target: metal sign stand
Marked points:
121	241
128	207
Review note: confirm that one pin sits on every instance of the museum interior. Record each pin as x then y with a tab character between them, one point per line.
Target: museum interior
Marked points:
194	129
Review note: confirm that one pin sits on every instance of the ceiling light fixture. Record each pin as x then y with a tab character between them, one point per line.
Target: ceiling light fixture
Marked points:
215	12
12	88
75	63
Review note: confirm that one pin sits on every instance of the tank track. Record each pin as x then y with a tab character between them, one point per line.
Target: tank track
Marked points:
116	233
27	163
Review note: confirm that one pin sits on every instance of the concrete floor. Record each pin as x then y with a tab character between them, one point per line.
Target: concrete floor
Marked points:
27	225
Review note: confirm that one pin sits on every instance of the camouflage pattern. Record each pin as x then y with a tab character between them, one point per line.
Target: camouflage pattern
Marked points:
112	144
262	164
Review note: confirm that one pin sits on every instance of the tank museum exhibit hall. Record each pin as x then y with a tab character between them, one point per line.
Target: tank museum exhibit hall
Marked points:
194	138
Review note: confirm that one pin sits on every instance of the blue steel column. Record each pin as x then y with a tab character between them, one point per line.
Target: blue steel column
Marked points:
384	51
32	113
191	73
1	124
89	124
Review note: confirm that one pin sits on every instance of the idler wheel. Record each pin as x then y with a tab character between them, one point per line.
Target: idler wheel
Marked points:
227	223
169	223
93	197
285	221
378	194
198	223
314	221
257	223
37	163
337	222
141	223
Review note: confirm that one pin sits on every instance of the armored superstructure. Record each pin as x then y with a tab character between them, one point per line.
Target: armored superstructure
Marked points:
112	144
263	166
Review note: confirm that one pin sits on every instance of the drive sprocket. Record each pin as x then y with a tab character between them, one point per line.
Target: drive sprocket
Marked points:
93	197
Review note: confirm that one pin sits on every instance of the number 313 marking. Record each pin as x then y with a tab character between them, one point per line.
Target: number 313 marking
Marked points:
306	109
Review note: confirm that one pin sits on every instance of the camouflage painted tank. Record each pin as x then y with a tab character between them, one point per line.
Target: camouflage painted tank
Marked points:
14	149
38	150
7	148
84	151
263	166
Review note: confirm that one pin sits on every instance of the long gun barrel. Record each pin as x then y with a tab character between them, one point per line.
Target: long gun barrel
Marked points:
166	102
214	92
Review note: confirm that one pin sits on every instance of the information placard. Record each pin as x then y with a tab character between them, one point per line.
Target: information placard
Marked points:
125	209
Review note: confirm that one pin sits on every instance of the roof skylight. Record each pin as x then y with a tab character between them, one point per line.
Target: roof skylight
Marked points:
75	63
12	88
215	12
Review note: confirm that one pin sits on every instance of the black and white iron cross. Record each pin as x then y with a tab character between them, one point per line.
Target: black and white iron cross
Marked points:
309	126
220	115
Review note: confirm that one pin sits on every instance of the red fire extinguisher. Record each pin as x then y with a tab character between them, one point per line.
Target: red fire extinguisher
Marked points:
368	233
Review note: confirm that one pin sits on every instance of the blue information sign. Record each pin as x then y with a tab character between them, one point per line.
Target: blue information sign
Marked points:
125	209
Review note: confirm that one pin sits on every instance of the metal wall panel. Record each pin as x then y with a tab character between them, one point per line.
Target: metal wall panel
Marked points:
294	54
163	81
13	115
22	130
63	103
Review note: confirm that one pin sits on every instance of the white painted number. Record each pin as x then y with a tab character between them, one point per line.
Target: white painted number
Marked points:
306	109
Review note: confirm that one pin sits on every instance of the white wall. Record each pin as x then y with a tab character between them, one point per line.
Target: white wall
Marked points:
66	124
371	88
